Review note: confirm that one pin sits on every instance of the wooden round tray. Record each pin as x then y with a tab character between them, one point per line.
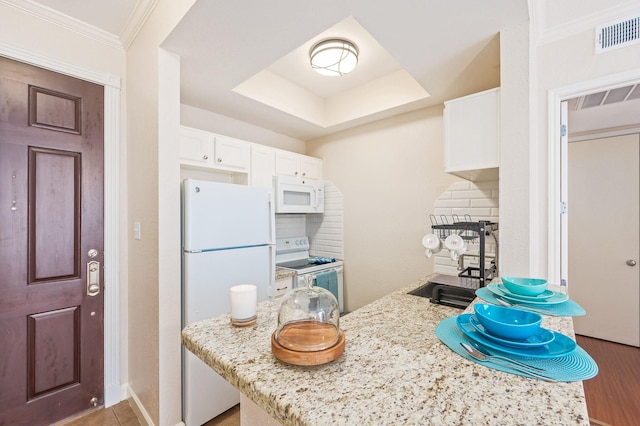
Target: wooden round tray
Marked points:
314	357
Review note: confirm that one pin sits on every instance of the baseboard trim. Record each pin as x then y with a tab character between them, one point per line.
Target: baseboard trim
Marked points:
137	407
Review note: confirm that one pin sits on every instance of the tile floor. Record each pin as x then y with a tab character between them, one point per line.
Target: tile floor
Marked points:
120	414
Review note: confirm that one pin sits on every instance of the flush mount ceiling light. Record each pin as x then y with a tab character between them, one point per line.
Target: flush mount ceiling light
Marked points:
334	57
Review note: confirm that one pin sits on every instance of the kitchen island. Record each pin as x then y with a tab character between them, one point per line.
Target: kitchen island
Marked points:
394	371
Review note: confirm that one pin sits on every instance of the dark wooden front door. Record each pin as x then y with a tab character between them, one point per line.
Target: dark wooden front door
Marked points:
51	230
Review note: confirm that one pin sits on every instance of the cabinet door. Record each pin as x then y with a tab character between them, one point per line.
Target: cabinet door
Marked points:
287	163
282	286
263	166
472	132
310	167
232	154
196	147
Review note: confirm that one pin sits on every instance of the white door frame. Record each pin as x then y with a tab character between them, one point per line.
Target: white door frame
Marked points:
111	83
557	164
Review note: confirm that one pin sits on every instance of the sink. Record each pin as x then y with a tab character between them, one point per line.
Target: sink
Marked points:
457	297
423	291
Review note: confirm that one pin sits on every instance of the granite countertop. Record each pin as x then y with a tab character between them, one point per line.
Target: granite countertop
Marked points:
282	273
394	370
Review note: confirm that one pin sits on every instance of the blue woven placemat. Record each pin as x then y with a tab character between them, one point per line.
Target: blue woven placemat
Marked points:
571	368
564	309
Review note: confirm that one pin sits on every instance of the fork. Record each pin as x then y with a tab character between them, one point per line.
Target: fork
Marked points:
525	307
482	357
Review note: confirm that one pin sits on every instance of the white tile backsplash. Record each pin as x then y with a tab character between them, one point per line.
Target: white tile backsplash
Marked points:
325	231
291	225
480	201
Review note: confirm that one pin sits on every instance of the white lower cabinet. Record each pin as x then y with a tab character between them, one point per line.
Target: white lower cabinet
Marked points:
282	286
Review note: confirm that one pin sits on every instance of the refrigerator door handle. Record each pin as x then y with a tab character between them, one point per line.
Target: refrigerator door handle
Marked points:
272	219
272	276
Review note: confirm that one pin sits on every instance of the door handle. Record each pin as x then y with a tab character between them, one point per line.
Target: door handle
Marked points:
93	278
631	262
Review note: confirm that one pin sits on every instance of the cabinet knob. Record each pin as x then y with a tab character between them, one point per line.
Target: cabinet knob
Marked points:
631	262
304	174
205	157
295	173
219	160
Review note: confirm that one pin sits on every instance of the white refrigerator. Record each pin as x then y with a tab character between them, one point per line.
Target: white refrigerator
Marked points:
228	236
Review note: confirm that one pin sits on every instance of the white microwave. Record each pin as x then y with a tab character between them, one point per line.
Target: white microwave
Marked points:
298	195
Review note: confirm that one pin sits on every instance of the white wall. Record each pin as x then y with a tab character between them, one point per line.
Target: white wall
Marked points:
206	120
154	201
390	173
563	60
516	221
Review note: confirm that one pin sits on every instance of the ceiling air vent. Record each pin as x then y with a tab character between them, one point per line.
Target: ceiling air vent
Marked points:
618	34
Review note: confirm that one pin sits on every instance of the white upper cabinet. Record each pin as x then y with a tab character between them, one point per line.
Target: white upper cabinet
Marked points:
248	163
196	147
205	149
287	163
310	167
232	154
263	165
472	135
292	164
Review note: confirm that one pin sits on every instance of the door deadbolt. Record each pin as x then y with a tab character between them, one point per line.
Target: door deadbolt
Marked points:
93	278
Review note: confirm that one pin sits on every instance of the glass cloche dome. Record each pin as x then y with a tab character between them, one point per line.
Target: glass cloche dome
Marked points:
308	330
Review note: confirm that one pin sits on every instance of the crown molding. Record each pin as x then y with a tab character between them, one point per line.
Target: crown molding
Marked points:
64	21
585	23
136	20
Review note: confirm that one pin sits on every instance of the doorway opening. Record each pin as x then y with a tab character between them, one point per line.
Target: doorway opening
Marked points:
558	165
603	140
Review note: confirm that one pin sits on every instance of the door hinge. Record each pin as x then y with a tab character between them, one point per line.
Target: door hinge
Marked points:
563	130
563	207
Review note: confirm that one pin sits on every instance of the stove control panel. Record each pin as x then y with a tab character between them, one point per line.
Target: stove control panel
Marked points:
287	245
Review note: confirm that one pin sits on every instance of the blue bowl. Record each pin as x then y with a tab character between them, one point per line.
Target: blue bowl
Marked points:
525	286
508	323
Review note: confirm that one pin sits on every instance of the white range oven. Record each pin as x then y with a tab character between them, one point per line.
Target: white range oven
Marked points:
293	254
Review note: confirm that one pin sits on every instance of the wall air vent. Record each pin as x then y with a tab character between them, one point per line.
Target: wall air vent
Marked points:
618	34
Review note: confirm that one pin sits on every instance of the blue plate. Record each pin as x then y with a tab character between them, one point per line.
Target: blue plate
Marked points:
556	299
561	345
542	296
571	368
541	338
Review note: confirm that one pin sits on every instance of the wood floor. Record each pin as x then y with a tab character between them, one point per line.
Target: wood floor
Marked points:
613	396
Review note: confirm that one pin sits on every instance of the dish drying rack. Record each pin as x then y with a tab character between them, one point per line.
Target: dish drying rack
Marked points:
470	231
